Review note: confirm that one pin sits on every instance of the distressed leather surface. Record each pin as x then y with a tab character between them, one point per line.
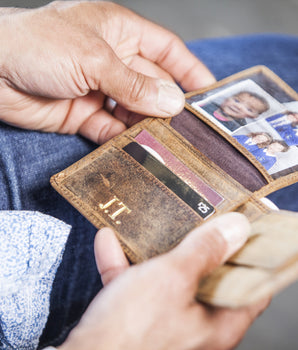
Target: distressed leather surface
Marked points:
110	188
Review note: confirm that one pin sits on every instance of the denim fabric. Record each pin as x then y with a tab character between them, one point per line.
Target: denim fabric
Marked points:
28	159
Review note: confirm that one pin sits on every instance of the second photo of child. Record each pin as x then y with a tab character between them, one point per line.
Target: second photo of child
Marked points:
238	105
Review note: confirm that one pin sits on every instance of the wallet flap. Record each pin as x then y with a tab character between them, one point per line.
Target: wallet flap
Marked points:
273	242
256	113
237	286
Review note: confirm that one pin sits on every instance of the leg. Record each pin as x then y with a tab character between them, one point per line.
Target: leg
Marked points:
28	159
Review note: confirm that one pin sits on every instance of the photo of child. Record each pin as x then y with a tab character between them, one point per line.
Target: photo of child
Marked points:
234	111
254	140
286	124
238	105
267	146
267	156
259	114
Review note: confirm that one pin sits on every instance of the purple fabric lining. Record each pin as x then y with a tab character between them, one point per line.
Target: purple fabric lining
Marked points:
219	150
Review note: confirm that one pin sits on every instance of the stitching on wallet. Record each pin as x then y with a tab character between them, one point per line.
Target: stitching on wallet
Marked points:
278	184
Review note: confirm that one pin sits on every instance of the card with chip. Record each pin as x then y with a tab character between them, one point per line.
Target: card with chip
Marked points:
178	168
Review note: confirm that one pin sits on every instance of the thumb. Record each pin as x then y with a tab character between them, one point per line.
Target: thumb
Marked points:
110	259
209	245
133	90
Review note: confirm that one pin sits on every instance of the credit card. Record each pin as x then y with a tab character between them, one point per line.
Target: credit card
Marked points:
170	180
178	168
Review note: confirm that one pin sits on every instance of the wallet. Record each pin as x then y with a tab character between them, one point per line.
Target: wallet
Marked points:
234	143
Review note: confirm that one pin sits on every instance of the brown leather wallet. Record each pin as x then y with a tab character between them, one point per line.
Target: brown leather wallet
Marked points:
233	144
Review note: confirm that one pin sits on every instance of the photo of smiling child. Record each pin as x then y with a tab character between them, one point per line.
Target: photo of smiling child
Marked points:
234	111
238	105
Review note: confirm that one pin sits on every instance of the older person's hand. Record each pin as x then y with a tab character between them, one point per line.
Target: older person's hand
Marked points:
59	63
152	305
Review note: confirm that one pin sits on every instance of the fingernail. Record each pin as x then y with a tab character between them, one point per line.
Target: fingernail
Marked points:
103	235
108	248
235	229
105	231
170	98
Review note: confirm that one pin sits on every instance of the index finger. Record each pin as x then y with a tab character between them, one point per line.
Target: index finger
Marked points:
170	53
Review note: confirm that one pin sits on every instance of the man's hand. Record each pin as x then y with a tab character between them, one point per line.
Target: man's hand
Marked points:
59	63
152	305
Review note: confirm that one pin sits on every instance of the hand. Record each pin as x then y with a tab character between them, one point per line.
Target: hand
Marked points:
152	306
59	63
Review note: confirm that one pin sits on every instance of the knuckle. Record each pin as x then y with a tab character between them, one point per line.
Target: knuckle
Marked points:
55	4
137	87
91	63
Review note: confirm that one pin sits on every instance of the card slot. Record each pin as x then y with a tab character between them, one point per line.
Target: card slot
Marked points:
170	180
234	193
235	164
179	168
148	217
218	150
235	144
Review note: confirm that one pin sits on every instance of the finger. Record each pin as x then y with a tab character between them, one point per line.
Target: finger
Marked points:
171	54
144	66
110	259
101	126
132	90
127	117
87	116
209	245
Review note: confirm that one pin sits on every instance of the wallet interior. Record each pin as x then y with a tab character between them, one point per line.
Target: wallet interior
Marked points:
215	138
161	178
218	150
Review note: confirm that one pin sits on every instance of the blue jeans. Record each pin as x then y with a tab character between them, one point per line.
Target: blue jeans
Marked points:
28	159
